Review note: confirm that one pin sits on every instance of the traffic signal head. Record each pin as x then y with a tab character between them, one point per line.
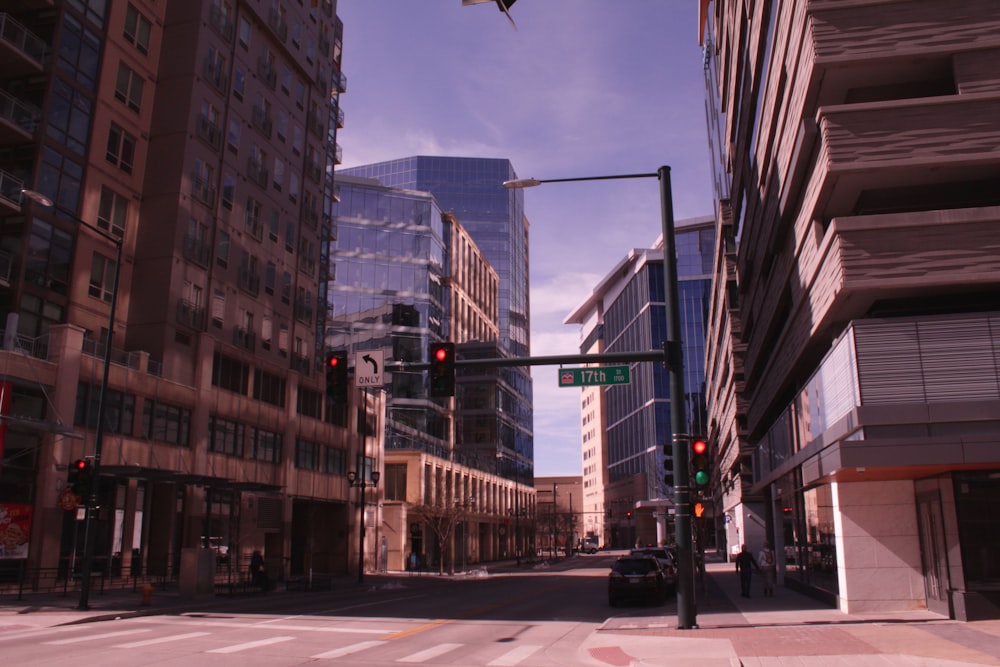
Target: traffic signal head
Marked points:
79	477
336	375
442	359
699	463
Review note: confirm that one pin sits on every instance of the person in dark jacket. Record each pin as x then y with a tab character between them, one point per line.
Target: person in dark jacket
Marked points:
257	573
745	565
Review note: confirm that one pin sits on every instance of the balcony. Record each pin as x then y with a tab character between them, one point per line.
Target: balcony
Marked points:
301	364
197	251
257	172
202	190
10	191
244	339
213	71
191	316
277	23
261	120
22	52
309	215
221	22
304	312
18	120
249	282
266	72
209	132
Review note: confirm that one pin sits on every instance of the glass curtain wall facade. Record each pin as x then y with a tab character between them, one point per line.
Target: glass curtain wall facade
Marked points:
386	293
639	413
472	190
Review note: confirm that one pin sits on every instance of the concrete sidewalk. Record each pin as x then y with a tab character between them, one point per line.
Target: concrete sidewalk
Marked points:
793	630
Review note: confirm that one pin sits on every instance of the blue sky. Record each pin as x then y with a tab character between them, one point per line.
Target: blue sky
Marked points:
581	88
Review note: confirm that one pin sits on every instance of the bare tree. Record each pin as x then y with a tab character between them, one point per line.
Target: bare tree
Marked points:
442	521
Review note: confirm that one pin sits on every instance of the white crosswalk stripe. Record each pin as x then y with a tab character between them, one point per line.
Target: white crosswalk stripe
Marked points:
162	640
90	638
427	654
236	648
347	650
514	656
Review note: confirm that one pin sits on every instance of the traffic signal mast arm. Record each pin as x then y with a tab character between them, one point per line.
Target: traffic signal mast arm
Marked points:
557	360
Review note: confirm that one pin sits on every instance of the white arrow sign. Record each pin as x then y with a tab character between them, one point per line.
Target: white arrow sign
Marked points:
368	368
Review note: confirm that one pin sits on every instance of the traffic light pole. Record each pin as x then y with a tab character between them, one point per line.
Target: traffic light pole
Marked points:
686	614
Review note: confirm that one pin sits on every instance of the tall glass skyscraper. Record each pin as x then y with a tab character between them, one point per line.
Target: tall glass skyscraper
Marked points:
472	189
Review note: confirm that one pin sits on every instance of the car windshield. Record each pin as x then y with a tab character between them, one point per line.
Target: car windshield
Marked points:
634	566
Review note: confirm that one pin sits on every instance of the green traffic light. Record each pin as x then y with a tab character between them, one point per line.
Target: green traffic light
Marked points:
701	478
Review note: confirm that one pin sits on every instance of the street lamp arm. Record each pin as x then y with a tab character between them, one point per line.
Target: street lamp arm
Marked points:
42	200
532	182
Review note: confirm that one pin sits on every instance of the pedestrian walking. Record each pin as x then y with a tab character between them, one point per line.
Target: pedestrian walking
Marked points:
768	568
745	565
258	574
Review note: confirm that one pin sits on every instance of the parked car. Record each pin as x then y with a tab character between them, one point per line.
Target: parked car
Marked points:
636	578
667	562
589	546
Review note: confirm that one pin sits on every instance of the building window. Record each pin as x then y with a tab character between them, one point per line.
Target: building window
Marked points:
102	277
395	481
48	257
119	409
166	423
225	436
128	87
137	29
306	455
244	32
121	148
69	116
239	83
112	212
231	374
335	461
228	190
269	388
266	445
222	250
310	403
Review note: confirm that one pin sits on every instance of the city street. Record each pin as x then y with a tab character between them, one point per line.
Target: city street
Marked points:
530	616
539	617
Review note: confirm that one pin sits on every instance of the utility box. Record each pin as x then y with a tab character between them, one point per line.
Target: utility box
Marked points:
197	575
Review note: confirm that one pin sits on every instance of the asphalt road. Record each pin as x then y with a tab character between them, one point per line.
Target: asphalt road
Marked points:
536	617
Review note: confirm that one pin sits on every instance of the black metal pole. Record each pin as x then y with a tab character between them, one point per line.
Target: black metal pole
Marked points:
92	492
686	615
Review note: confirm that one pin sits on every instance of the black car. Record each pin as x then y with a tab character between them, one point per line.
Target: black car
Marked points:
667	561
636	578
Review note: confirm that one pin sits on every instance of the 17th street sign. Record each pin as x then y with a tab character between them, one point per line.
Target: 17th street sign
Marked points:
597	375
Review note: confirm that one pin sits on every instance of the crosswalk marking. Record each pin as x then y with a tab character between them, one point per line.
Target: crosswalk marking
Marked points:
514	656
40	632
235	648
347	650
427	654
90	638
162	640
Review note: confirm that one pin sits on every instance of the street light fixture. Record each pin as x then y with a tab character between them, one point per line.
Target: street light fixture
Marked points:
90	502
361	483
674	358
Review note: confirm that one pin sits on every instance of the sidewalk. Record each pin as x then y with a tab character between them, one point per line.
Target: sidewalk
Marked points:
791	629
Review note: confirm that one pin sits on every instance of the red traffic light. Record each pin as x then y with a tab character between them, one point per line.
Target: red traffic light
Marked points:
699	447
441	354
332	361
80	464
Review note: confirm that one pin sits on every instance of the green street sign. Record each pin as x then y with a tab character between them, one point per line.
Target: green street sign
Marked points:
597	375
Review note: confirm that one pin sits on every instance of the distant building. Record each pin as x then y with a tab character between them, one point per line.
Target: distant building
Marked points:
560	515
625	429
472	190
